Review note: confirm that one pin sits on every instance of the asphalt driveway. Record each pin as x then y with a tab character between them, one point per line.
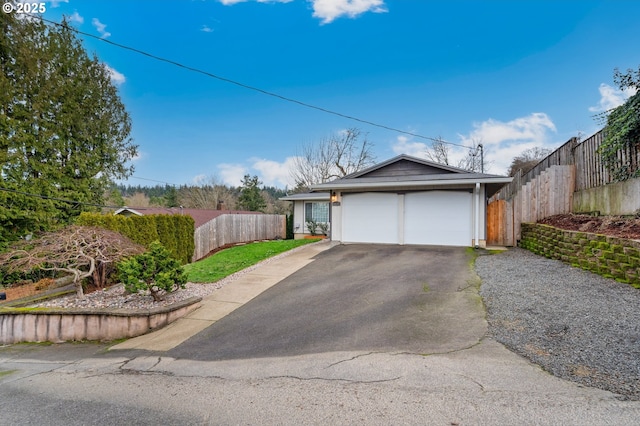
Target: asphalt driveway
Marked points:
414	299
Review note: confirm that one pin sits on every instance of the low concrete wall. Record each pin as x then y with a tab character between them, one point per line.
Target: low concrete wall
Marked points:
610	257
620	198
61	325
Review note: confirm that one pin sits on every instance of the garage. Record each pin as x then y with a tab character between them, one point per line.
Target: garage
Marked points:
370	217
408	200
425	217
443	218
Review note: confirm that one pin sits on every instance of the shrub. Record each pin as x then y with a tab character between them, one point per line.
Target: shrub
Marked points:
154	271
312	226
290	235
324	228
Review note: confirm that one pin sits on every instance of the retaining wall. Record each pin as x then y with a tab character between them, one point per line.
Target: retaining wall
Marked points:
619	198
61	325
610	257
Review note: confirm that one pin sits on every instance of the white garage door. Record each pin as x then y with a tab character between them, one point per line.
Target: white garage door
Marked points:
430	217
370	217
438	218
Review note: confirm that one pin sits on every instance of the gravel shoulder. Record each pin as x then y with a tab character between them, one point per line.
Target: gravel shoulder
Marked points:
575	324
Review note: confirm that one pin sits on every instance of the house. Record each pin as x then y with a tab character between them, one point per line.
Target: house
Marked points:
307	207
406	200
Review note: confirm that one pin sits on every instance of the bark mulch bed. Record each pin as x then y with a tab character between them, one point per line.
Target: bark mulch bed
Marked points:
18	292
615	226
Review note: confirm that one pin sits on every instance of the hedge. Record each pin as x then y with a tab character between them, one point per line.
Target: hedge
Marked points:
175	232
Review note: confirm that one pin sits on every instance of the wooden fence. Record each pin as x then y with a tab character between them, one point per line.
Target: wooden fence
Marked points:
547	194
548	188
237	228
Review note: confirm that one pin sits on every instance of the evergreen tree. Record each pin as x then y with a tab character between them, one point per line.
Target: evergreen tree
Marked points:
64	132
250	197
171	196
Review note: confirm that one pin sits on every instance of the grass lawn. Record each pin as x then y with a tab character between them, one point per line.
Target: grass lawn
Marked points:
234	259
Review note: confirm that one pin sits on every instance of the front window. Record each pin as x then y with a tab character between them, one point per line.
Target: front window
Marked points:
317	212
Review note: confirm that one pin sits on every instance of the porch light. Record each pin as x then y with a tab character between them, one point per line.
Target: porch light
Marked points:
334	197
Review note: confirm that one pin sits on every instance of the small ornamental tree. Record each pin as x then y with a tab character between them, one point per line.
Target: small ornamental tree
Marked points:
81	251
154	271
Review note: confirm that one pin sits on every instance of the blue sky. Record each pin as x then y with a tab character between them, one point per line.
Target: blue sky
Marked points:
509	74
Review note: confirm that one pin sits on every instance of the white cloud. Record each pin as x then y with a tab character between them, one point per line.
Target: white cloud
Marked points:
75	17
504	140
493	132
404	145
329	10
610	97
206	29
273	173
199	179
117	78
232	174
101	28
56	3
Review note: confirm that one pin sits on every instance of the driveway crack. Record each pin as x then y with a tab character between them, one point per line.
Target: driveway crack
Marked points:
471	379
325	379
351	359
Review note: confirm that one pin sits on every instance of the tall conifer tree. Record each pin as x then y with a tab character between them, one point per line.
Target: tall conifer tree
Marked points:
64	132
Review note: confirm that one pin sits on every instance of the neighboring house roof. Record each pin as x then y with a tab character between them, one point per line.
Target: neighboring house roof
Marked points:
406	172
307	196
200	216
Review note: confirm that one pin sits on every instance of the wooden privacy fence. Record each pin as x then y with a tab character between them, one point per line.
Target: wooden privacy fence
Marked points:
237	228
548	188
547	194
591	172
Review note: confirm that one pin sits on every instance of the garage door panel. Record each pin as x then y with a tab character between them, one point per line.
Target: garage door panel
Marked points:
438	218
370	217
428	217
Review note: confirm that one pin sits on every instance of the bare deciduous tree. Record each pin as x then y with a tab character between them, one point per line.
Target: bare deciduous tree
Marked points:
137	199
441	152
209	195
527	160
274	205
347	152
82	251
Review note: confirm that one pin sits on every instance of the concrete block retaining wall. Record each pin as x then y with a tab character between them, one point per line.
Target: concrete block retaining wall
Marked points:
610	257
61	325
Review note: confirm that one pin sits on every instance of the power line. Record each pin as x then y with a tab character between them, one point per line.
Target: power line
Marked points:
152	180
256	89
46	197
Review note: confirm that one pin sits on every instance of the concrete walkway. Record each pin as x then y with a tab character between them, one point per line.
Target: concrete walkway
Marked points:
225	300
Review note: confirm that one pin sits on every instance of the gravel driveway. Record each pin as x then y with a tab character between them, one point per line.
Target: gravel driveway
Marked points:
575	324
